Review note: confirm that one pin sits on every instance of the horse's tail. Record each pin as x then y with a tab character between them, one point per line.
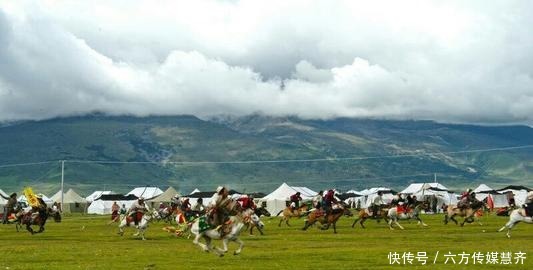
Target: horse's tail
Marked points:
279	212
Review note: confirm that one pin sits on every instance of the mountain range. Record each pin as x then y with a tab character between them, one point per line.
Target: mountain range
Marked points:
257	153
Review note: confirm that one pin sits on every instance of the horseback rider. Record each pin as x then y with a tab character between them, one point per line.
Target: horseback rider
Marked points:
329	199
199	206
410	202
9	208
377	203
464	202
295	201
39	209
185	207
317	201
137	210
247	202
218	212
528	205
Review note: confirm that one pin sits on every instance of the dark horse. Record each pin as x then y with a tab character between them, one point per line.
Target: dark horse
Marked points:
26	219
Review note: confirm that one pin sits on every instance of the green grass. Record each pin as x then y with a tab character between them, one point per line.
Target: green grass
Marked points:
86	242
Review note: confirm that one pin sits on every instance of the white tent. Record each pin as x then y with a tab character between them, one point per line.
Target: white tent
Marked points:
102	207
2	200
72	201
520	195
483	191
424	191
195	191
277	200
371	193
146	192
95	195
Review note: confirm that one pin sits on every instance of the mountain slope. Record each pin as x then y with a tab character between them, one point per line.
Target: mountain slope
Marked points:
371	152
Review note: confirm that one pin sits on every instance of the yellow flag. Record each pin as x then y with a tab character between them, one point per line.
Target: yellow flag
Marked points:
31	197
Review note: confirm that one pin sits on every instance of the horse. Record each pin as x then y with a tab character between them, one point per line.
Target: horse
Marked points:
469	213
142	224
201	230
25	218
364	214
288	213
166	214
413	214
516	216
261	211
327	219
251	220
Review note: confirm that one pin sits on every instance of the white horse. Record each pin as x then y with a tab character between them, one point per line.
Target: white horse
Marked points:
142	224
516	216
235	228
394	216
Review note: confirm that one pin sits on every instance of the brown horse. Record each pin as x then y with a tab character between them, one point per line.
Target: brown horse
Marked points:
288	213
328	219
25	218
364	215
468	213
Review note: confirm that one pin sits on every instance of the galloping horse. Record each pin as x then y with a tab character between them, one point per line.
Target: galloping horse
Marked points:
327	219
288	213
231	233
468	213
142	224
251	220
364	214
25	218
516	216
413	214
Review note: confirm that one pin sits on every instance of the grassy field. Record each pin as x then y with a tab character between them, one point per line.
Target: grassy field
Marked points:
86	242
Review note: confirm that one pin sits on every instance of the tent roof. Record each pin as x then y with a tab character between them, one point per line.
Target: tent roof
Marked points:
22	198
514	188
374	190
482	188
195	191
146	192
416	187
117	197
284	191
166	196
95	195
3	193
68	197
209	194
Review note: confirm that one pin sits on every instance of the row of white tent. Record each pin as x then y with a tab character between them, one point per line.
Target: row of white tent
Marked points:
100	202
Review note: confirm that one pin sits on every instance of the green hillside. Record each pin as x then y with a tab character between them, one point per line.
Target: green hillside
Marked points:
383	152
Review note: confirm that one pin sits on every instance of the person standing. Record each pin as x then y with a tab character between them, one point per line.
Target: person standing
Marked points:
9	208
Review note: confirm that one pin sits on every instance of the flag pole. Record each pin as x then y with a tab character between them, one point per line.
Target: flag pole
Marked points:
62	182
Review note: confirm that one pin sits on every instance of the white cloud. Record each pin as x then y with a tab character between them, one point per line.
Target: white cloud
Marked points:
453	61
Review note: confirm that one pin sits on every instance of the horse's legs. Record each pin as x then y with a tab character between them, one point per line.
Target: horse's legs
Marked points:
420	221
355	221
334	227
390	224
280	220
454	220
396	222
445	218
241	245
362	221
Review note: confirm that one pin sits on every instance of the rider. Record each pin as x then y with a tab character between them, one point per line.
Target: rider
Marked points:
137	209
411	201
185	207
295	200
38	210
199	206
317	201
465	199
329	199
528	206
247	202
217	205
9	207
377	203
